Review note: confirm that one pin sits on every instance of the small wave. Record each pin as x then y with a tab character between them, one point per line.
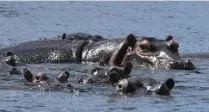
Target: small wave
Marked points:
8	11
129	108
5	111
22	107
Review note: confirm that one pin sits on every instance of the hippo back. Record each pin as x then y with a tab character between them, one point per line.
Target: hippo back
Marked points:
43	51
101	50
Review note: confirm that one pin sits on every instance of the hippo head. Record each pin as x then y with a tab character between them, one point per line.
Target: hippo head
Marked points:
116	74
10	60
40	77
63	77
157	53
126	86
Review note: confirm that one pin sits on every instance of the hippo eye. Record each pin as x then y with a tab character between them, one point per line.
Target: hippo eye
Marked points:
144	45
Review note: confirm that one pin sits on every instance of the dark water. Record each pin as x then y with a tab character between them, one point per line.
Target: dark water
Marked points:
186	21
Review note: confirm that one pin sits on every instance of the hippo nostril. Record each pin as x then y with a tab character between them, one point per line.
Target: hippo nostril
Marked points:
119	86
9	54
37	78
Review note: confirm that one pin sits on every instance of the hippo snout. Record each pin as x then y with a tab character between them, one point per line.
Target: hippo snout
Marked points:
182	65
125	86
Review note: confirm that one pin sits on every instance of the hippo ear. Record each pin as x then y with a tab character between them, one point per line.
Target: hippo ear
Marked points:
64	36
9	54
67	73
127	68
10	60
131	39
169	37
170	83
27	75
113	77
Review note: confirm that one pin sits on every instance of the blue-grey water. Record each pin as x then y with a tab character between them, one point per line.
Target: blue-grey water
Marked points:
186	21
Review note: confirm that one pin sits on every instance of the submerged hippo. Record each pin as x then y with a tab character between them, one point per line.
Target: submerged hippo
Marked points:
8	64
5	68
139	85
105	75
146	51
44	79
125	83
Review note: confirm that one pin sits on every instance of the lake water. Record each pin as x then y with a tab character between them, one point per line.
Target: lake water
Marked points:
186	21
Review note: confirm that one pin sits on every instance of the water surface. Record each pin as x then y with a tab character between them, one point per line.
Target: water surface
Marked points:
186	21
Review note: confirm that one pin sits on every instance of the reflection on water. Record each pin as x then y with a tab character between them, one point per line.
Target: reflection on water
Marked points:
186	21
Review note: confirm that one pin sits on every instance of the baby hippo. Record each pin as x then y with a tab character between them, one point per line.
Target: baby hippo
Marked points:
103	75
148	85
44	78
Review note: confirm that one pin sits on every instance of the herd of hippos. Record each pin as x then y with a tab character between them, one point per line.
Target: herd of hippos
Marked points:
115	59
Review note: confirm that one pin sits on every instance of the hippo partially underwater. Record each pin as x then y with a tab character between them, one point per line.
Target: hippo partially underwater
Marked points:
8	64
47	80
127	84
119	78
79	47
104	75
144	85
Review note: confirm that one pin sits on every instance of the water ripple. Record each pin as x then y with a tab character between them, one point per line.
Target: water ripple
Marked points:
186	21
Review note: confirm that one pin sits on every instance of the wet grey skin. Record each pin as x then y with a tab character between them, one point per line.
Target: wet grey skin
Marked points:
63	77
5	68
45	79
10	60
81	47
144	85
8	65
156	53
106	75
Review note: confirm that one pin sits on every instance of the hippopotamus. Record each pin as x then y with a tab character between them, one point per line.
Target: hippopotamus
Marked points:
46	79
8	64
138	84
81	47
144	85
125	83
161	54
106	75
4	67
